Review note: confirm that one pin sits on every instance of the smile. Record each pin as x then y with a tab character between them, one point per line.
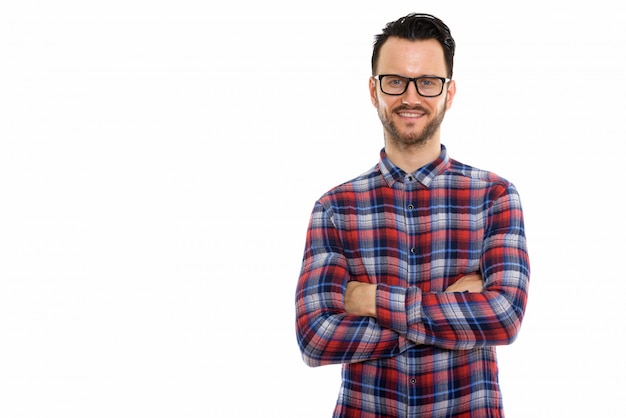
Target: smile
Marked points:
410	114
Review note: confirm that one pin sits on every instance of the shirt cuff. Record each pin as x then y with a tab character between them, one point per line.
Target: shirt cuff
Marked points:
391	308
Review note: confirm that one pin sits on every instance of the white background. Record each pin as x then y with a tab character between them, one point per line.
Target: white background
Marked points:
159	161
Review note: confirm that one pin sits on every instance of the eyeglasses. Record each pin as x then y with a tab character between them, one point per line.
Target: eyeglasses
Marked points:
396	85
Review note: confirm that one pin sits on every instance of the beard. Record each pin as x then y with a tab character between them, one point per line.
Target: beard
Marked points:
411	139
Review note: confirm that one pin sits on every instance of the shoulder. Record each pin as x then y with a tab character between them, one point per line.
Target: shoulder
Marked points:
469	173
351	189
477	182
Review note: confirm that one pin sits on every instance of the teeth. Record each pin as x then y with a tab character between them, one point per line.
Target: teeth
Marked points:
409	115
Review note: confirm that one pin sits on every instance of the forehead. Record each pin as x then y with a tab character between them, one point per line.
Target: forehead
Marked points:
412	58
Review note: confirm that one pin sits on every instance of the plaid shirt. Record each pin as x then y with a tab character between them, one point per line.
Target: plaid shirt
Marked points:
429	353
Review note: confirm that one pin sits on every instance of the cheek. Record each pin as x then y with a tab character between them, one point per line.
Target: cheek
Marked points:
381	107
383	104
446	105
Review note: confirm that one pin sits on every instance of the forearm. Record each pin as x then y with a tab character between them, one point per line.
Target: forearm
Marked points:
458	320
466	320
326	332
341	338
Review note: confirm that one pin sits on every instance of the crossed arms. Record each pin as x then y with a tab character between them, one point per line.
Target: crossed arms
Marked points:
360	298
342	318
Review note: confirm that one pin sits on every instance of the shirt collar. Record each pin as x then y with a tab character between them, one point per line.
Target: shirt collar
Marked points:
425	175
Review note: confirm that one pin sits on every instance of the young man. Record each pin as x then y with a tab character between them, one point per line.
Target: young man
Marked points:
414	271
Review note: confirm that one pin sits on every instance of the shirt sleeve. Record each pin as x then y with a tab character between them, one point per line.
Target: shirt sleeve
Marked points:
326	334
467	320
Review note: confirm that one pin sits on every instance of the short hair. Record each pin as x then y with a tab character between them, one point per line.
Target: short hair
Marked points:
417	26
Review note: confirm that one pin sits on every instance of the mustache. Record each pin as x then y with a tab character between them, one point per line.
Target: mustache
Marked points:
416	108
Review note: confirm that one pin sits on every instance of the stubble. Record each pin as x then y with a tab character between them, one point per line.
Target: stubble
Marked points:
413	139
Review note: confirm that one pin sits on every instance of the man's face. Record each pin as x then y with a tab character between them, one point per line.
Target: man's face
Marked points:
410	119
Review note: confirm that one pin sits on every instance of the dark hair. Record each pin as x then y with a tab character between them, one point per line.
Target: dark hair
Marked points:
417	26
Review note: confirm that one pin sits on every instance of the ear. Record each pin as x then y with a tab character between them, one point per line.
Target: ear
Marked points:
373	92
451	94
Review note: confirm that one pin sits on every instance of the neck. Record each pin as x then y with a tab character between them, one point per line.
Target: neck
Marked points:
413	157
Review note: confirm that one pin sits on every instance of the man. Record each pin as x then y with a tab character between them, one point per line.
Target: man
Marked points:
414	271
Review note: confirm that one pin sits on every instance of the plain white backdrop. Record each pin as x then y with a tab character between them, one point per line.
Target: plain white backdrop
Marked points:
159	161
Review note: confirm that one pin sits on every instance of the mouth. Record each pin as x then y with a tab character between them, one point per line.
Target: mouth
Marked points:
414	113
410	114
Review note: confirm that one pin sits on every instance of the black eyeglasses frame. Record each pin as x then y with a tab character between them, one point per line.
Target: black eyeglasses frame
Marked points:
380	77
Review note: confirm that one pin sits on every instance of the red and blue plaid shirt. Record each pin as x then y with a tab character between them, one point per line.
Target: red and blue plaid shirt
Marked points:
429	353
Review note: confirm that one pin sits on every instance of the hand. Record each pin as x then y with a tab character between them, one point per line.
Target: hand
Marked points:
360	299
472	283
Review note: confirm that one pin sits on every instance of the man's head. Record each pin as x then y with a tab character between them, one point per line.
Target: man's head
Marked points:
413	27
410	85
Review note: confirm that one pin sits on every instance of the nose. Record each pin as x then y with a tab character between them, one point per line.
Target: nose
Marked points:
411	96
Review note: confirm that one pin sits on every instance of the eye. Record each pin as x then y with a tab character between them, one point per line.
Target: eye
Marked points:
396	82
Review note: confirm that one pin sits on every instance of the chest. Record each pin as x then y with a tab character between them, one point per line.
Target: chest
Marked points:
415	236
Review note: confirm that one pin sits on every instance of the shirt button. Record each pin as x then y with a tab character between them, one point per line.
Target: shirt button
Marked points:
413	381
413	250
410	207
